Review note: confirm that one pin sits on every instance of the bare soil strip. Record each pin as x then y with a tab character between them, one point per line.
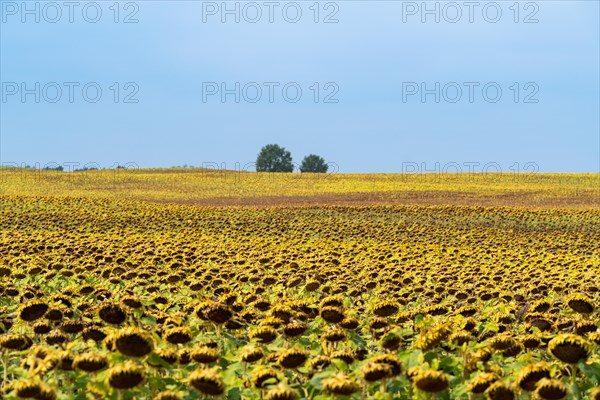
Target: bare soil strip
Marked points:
420	198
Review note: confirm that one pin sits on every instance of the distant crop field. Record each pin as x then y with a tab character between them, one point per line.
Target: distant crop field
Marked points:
175	284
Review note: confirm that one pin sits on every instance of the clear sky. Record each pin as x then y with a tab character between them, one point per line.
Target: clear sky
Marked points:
383	84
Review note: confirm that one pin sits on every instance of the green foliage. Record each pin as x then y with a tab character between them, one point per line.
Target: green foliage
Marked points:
274	158
313	163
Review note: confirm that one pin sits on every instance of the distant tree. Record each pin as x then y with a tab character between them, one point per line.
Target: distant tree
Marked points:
313	163
59	168
274	158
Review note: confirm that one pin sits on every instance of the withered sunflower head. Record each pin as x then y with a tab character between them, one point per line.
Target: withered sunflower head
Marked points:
349	323
15	341
125	376
132	302
178	335
391	360
529	376
263	376
168	395
433	337
320	362
385	308
264	334
431	381
133	342
531	341
219	313
502	342
332	314
340	384
500	391
390	341
207	381
169	356
281	392
205	355
581	303
90	362
294	329
112	313
34	388
346	356
292	358
33	310
482	381
569	348
334	335
251	354
373	372
551	389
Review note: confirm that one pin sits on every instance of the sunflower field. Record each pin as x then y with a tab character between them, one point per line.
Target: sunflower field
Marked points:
120	298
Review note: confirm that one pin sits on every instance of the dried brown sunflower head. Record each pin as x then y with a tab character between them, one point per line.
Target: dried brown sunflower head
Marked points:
281	392
207	381
529	376
551	389
482	381
569	348
133	342
340	384
178	335
431	381
33	310
500	391
90	362
292	358
125	376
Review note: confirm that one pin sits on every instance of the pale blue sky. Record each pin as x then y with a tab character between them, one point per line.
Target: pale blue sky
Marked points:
369	55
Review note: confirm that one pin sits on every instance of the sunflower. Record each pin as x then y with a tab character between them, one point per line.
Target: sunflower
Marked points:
529	376
349	323
482	381
320	362
178	335
334	335
430	381
125	376
205	355
385	308
33	310
340	384
264	334
15	341
551	389
433	337
251	354
500	391
294	329
263	376
581	303
332	314
373	372
292	358
168	395
31	388
112	313
569	348
207	381
281	392
90	362
134	342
